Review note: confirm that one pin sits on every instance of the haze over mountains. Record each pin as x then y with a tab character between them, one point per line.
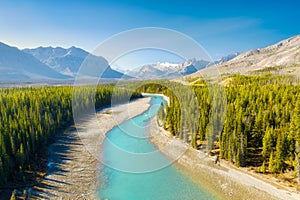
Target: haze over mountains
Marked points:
172	70
51	64
168	70
68	61
59	63
15	64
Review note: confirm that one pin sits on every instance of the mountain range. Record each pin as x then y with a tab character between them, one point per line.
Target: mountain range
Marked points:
60	63
18	65
172	70
282	57
168	70
48	63
68	61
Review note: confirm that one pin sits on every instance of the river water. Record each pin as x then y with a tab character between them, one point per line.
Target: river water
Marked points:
129	177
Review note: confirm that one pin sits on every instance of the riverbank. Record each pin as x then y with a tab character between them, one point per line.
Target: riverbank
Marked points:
73	163
225	181
74	168
167	99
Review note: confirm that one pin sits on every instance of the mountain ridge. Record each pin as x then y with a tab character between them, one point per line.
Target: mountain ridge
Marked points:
68	61
172	70
15	64
284	54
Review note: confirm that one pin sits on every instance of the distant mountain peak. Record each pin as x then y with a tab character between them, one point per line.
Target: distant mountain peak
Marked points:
15	64
68	61
227	58
168	69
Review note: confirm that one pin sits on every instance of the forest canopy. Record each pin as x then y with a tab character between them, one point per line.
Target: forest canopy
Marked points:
261	126
31	116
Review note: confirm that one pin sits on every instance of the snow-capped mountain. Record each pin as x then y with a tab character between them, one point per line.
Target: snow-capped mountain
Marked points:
68	61
168	70
227	58
17	65
171	70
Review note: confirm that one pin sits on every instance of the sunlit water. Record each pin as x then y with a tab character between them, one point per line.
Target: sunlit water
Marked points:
166	183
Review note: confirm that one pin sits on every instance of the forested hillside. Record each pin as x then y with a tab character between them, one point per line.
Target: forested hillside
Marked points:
262	124
31	116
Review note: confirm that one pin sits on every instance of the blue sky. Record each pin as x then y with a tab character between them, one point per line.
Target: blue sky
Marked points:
221	27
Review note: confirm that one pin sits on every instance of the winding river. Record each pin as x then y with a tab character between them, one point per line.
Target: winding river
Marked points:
118	181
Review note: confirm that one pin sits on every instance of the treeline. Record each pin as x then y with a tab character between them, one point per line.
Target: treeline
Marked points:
30	117
261	126
260	116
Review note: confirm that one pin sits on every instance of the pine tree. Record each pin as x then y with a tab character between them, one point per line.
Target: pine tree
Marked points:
263	167
161	115
279	155
268	142
294	138
272	167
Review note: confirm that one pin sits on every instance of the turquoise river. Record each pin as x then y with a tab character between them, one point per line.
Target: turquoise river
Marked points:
118	178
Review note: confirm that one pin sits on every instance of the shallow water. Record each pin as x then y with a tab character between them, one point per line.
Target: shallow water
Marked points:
134	161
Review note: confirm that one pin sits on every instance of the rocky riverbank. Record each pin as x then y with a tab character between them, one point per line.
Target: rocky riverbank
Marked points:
225	181
73	162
